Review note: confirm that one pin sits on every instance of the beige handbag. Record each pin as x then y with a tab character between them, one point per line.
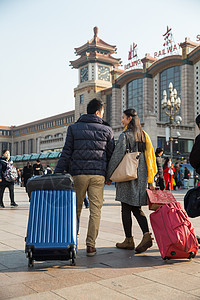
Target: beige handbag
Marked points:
127	168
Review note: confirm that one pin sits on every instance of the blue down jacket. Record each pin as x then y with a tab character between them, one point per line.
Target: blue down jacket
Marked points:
88	147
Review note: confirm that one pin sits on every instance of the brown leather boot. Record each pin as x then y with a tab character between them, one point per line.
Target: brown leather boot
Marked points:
145	243
128	243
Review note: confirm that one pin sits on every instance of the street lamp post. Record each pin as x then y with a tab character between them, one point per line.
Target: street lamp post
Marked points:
171	107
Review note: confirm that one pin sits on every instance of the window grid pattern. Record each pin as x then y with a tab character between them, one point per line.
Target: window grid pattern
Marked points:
93	78
81	98
196	89
155	96
135	96
173	75
123	99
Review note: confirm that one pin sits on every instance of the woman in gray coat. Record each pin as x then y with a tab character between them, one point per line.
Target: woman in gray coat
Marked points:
132	194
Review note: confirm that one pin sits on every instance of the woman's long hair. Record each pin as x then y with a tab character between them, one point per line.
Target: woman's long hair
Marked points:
135	126
166	162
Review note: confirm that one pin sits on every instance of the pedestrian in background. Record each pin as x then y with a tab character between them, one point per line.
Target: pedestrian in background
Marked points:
177	175
169	170
132	194
159	178
48	170
187	175
37	168
4	164
18	177
88	147
27	173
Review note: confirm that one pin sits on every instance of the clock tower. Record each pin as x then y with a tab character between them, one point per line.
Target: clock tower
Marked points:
94	71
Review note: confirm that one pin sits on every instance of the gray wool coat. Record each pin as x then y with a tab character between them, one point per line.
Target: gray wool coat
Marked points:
131	192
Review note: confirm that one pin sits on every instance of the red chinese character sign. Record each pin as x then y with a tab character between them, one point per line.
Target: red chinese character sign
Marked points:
170	47
132	55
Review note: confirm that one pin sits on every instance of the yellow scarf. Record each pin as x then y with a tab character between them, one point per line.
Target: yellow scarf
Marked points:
150	158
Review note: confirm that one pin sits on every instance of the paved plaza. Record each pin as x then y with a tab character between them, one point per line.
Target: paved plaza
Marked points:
111	274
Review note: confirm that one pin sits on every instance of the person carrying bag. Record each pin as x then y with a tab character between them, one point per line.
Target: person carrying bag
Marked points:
132	193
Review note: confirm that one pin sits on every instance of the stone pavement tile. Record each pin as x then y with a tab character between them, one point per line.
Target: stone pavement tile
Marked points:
17	243
65	270
187	267
20	276
104	272
40	296
61	282
2	267
13	259
157	291
90	291
15	290
122	283
171	278
195	292
4	236
5	248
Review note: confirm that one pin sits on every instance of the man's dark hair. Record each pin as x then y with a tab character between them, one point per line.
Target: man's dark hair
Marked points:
4	151
94	105
159	149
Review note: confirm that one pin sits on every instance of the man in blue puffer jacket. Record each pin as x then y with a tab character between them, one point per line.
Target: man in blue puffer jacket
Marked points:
88	148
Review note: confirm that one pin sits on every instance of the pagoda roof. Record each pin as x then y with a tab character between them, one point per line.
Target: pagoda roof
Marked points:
94	57
96	43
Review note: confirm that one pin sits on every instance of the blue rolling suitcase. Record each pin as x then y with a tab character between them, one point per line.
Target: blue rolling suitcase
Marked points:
52	228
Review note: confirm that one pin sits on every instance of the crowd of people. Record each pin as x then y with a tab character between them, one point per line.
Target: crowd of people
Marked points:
91	156
22	176
169	176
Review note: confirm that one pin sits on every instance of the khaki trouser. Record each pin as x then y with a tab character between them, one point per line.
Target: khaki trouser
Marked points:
93	185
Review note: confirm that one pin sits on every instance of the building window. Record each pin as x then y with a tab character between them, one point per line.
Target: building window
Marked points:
30	146
169	75
58	135
135	96
23	144
81	99
40	126
181	147
49	124
16	148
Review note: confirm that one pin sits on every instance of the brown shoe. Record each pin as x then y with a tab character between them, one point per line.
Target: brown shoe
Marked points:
128	244
91	251
145	243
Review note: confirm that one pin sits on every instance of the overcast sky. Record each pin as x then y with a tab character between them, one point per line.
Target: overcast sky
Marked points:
38	38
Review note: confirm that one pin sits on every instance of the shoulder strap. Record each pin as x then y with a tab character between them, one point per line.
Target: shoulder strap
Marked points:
128	144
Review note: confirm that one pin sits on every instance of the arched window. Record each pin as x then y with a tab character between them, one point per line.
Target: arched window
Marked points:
58	135
169	75
135	96
48	137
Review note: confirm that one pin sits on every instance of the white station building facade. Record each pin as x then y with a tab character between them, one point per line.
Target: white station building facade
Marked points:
139	85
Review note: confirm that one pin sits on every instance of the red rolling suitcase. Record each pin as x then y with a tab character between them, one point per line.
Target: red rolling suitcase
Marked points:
174	232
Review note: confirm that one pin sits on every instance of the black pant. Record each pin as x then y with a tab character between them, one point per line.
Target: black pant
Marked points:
10	186
127	219
161	183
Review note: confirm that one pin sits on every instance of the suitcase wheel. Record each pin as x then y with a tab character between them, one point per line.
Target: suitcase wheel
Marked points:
30	262
73	257
192	255
166	258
